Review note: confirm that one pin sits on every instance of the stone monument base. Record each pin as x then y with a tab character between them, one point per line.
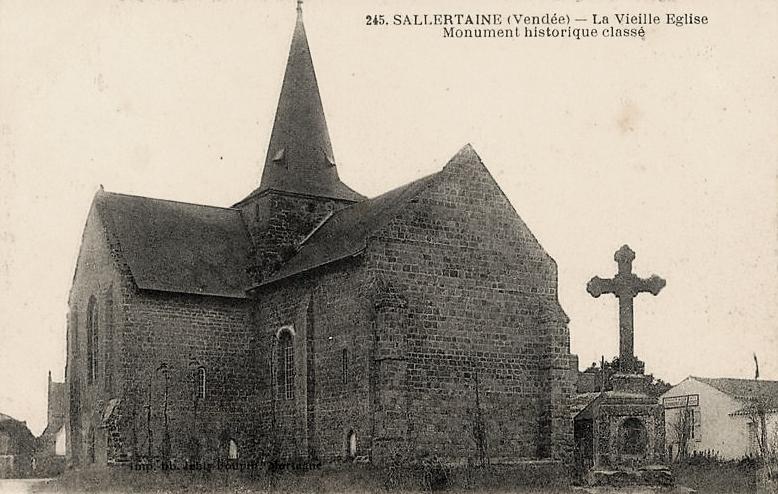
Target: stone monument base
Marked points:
630	383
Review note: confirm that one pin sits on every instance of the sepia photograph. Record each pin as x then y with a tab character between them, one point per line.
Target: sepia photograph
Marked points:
377	246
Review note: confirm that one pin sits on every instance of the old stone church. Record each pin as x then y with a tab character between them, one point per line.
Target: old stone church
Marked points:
307	323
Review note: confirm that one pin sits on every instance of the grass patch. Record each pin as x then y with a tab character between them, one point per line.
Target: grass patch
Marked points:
716	476
332	478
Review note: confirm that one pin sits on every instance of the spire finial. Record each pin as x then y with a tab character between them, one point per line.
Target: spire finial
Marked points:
299	6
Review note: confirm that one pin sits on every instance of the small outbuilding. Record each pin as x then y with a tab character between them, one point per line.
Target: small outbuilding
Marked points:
720	416
16	448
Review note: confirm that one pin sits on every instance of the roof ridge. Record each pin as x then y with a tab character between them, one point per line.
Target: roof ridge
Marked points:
745	379
135	196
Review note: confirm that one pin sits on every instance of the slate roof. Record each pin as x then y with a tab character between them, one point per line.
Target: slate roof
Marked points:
744	389
299	155
179	247
345	233
22	440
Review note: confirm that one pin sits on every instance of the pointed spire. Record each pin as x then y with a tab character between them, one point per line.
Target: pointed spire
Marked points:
299	157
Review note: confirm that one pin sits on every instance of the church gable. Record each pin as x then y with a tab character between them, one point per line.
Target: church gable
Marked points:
99	261
477	322
464	208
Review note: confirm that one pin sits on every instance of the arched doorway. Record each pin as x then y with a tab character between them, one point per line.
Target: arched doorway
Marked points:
633	437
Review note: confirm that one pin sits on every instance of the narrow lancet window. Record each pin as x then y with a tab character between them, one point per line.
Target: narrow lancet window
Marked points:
201	383
286	365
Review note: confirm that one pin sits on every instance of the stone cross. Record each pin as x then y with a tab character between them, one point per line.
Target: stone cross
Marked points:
625	286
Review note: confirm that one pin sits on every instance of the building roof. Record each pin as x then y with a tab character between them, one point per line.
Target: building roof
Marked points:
299	156
745	389
586	405
345	233
179	247
21	439
581	401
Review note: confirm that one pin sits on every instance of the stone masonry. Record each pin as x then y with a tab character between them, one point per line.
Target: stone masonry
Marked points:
308	324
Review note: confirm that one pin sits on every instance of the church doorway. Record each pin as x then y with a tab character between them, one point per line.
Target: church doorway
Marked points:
633	437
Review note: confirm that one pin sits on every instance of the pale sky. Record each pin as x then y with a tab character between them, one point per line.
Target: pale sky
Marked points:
669	144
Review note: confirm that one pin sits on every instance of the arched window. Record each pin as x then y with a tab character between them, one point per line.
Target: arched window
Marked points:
351	444
286	364
92	343
201	382
232	452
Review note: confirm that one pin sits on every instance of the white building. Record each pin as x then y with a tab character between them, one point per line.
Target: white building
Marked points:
717	416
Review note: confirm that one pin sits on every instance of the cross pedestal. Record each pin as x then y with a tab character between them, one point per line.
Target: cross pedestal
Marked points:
625	286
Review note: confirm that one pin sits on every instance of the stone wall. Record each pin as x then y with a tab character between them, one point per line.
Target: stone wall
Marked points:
173	341
472	358
101	279
151	345
325	315
444	338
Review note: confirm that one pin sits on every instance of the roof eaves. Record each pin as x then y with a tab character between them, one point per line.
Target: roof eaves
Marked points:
236	294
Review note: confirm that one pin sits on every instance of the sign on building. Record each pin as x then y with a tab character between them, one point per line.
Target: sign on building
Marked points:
681	401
